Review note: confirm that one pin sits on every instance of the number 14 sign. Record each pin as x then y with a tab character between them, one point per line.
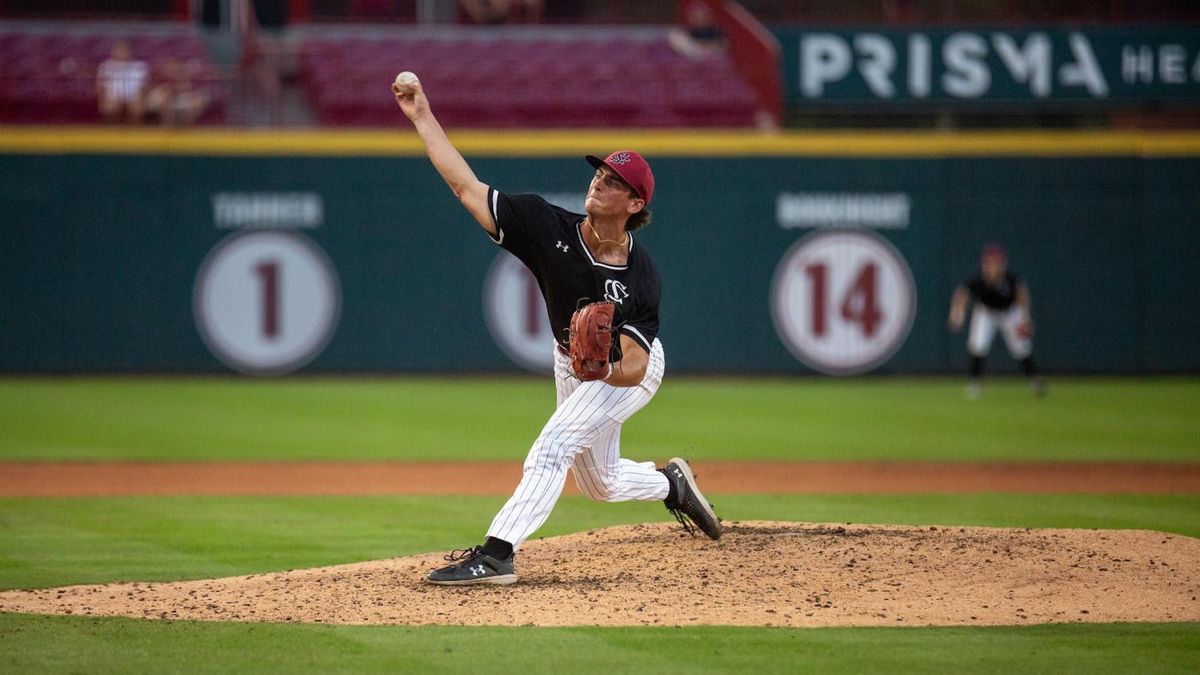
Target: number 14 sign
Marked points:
843	301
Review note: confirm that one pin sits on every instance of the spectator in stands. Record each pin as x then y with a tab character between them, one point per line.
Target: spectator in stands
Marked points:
492	12
174	99
121	85
699	34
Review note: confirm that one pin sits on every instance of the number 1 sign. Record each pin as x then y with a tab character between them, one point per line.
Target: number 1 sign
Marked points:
843	301
267	301
516	314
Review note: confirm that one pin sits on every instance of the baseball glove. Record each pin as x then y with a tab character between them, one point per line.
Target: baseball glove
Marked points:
591	341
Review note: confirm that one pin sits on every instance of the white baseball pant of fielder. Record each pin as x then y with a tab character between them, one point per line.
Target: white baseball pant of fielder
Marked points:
584	434
984	323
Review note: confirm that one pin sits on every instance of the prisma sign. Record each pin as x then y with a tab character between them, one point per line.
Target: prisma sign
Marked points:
1000	65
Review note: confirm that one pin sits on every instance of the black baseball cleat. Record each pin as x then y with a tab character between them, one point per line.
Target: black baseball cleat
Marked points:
473	566
689	507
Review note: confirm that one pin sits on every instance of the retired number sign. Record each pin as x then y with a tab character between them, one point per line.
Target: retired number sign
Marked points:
843	301
266	302
516	315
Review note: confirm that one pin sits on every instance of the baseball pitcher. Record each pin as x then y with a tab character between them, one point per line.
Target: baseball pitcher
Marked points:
602	297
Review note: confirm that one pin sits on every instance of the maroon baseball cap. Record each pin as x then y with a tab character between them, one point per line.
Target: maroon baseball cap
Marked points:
632	169
994	250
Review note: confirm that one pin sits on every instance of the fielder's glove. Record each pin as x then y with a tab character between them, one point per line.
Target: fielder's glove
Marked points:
591	341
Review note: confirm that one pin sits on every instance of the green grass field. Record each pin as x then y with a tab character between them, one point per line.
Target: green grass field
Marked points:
68	644
47	542
1088	419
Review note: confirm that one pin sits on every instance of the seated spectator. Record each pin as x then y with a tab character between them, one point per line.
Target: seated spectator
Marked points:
121	84
174	99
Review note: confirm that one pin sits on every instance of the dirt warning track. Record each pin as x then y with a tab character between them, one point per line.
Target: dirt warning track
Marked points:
34	479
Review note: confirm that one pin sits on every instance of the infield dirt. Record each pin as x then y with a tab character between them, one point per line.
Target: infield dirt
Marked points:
759	573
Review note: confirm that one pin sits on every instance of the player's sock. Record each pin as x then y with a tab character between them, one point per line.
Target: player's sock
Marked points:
497	548
1029	366
672	491
976	367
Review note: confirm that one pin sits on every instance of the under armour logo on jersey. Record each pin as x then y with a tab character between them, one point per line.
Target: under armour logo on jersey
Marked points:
615	291
619	158
478	571
562	246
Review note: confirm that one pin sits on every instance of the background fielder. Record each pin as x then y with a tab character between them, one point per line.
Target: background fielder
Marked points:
1001	303
576	260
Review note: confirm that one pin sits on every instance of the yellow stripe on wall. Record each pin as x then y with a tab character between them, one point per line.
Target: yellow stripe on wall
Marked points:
403	142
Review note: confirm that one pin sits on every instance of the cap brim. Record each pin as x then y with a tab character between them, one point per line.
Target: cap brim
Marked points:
596	162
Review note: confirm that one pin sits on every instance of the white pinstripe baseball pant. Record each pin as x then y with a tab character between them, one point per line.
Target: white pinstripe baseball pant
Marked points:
583	434
985	321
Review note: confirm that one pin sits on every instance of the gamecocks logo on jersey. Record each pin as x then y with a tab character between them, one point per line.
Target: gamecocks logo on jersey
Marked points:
619	158
615	291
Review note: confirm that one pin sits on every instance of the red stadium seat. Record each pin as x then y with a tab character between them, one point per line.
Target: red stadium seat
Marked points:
513	81
490	80
50	76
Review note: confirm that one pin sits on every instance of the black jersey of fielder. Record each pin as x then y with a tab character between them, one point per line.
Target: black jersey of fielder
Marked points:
995	297
549	241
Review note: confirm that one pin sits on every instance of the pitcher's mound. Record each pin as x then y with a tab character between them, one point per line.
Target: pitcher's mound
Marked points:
759	574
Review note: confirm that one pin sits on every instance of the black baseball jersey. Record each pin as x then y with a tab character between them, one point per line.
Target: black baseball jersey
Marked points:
994	297
549	240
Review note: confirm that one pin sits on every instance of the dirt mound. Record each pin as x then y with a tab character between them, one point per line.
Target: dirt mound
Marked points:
759	573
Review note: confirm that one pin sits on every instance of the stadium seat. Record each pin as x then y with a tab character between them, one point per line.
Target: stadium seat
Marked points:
476	80
49	75
517	80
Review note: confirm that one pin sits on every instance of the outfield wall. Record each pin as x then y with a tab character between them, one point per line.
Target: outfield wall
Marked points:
369	264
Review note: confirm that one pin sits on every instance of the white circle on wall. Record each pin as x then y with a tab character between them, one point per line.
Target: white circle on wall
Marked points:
843	301
266	302
516	315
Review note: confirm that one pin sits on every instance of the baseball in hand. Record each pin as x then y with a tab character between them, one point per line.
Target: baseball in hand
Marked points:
406	78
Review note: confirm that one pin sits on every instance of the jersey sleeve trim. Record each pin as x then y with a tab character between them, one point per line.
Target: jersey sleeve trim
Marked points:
637	335
494	204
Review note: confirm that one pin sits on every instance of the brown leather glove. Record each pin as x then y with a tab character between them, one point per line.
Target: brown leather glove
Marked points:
591	341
